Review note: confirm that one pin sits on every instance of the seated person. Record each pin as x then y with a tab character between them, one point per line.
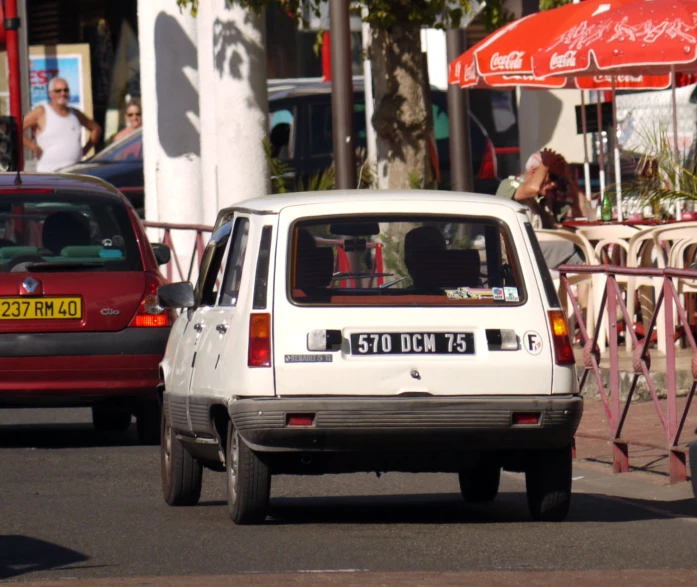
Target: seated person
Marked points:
548	189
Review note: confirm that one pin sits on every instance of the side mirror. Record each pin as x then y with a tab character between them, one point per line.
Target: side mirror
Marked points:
176	295
162	253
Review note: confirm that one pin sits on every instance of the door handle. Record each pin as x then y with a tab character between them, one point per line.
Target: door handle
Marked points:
222	328
198	327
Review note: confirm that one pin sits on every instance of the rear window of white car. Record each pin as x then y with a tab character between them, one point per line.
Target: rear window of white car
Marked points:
403	261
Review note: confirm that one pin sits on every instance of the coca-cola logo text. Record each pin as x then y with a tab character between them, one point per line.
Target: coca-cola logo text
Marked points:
511	61
470	73
564	60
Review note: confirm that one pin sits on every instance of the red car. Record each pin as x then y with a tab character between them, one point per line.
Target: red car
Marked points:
79	320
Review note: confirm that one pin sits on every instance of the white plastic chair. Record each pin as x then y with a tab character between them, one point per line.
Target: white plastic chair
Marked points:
644	252
678	242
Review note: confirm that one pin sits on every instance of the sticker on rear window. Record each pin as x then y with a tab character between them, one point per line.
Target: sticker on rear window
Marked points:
532	342
498	293
471	293
511	294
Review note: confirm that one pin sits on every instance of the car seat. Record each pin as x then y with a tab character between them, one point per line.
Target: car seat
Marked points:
63	229
314	266
433	267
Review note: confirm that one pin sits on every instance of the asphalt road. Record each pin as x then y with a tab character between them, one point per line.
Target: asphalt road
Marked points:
75	504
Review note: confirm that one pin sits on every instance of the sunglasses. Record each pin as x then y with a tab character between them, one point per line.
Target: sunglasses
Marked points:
132	114
61	91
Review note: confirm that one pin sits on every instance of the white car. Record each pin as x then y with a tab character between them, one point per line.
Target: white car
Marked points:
381	331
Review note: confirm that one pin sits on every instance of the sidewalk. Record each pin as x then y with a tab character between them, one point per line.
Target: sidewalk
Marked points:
642	424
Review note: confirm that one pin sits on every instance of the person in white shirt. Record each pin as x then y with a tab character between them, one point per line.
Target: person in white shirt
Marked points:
58	129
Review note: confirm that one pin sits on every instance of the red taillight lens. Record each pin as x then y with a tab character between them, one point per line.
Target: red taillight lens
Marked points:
150	314
563	352
526	418
300	419
259	340
487	169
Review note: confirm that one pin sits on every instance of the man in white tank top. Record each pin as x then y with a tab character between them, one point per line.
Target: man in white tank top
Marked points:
58	130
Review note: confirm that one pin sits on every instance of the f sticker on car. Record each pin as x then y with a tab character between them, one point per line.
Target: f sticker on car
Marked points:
532	342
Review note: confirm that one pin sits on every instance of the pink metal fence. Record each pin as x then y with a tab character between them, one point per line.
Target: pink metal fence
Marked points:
616	413
202	232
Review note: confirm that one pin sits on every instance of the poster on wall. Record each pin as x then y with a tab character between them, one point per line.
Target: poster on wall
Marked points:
42	69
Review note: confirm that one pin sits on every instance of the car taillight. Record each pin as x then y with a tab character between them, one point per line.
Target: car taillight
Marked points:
259	340
563	352
150	314
487	169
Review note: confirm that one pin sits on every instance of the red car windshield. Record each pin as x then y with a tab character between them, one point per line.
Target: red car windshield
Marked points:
49	231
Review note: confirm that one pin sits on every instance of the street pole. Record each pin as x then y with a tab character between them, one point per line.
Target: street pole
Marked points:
12	24
342	95
461	175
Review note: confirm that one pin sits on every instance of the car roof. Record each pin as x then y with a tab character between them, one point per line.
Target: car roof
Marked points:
295	88
275	203
60	182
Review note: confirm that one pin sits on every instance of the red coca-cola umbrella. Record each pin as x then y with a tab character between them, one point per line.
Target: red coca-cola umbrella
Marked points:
653	36
503	60
510	49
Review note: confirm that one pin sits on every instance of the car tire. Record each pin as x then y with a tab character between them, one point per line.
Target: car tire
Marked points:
248	482
480	484
148	424
182	474
110	419
548	483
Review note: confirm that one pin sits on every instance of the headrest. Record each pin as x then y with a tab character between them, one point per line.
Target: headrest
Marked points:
423	238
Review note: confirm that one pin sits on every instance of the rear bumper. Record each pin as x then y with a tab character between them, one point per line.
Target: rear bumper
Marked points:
80	368
388	424
129	341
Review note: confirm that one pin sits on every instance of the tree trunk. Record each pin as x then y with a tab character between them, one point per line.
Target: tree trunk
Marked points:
400	118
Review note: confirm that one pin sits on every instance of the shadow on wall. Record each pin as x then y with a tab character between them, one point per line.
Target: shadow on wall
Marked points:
177	98
231	46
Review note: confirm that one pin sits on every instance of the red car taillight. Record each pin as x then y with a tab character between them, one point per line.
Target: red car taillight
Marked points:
563	352
487	169
150	314
259	340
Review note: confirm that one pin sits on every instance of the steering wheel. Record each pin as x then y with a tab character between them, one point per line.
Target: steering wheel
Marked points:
18	264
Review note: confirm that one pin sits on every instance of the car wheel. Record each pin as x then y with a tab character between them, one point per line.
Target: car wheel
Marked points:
182	474
110	419
148	424
480	484
248	481
548	483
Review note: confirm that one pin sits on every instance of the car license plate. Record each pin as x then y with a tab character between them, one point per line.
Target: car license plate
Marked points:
413	343
46	308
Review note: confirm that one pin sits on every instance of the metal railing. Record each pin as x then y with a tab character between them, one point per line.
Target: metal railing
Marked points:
616	413
196	253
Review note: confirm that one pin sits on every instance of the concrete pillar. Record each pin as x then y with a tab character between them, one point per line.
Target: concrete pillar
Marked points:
234	105
171	133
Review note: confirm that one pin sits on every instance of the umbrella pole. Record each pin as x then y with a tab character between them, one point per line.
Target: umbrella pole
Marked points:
676	150
586	164
601	146
616	149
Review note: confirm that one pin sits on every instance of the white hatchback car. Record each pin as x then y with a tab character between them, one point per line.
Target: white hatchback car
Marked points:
369	331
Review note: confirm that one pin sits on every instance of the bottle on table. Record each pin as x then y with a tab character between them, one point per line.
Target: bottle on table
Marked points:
606	208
